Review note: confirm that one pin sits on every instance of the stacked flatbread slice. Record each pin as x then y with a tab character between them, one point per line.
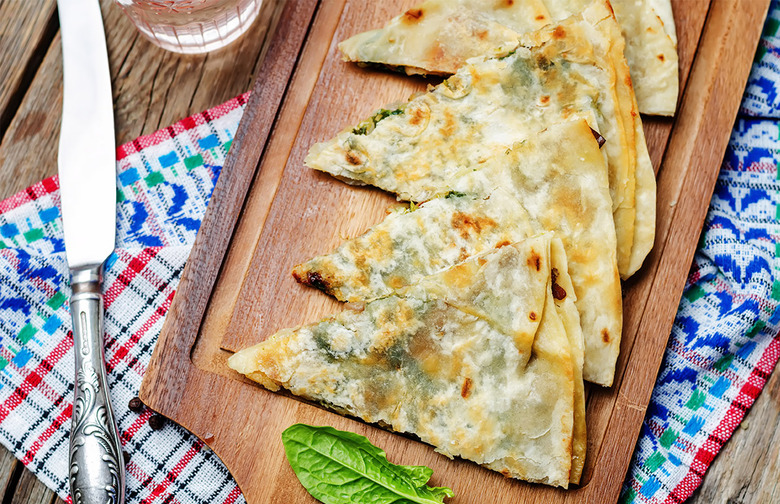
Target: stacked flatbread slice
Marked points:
484	307
481	360
571	70
438	36
555	181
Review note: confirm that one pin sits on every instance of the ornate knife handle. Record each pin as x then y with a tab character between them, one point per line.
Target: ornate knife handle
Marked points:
97	469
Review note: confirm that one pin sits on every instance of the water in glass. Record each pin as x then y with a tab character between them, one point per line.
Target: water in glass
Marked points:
191	26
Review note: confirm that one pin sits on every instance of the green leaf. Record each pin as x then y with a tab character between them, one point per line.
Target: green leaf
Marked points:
339	467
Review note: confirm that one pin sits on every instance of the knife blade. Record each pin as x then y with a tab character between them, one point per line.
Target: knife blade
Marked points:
87	175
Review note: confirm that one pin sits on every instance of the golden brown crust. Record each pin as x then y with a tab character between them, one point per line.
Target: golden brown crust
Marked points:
415	361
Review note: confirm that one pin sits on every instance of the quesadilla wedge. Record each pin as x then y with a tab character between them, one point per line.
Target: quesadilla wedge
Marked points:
650	47
487	105
652	55
493	103
556	181
438	36
420	364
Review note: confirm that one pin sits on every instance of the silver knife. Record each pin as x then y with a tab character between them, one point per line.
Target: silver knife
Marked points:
87	171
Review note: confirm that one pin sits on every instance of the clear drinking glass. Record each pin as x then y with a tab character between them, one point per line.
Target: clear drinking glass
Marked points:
191	26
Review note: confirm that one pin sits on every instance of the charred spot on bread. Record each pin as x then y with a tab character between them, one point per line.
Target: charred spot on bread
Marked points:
465	389
313	279
413	15
534	260
600	139
558	292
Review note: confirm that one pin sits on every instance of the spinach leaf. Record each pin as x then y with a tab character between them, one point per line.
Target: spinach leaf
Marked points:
367	126
339	467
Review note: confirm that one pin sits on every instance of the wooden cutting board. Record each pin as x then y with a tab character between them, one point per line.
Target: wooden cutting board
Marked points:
268	213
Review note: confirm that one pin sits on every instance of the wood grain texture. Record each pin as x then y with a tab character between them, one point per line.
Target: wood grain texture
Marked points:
692	160
291	213
10	472
30	490
20	486
26	31
227	199
228	289
36	122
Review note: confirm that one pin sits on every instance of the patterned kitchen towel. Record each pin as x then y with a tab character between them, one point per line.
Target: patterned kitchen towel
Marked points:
164	182
723	346
724	342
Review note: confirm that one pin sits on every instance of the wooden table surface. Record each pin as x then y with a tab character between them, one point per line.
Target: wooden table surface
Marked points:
154	88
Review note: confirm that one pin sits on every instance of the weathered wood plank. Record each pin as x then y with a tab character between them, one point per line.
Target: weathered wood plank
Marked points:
9	471
26	31
30	490
154	88
28	152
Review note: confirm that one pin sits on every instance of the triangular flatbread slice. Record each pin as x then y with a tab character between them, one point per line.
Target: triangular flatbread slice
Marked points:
650	48
651	53
438	36
556	182
419	364
406	246
490	104
643	212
